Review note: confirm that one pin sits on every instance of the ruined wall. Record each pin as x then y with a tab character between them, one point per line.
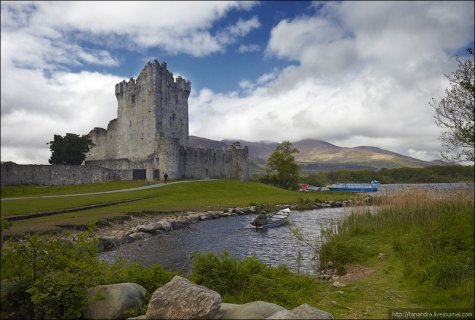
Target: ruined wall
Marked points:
150	165
105	141
14	174
237	162
200	163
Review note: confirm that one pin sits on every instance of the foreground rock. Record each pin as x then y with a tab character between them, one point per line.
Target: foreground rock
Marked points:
303	311
110	301
251	310
182	299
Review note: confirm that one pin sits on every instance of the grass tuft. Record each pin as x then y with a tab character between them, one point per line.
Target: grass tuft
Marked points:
430	233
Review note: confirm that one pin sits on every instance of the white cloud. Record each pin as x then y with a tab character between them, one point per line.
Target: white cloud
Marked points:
67	102
175	27
41	41
244	48
365	74
241	28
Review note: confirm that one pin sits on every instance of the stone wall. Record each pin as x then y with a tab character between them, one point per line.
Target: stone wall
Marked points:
199	163
186	162
14	174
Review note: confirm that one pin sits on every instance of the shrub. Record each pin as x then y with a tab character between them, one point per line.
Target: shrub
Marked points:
151	277
246	280
47	278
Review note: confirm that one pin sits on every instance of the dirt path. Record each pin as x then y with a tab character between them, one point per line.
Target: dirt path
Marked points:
158	185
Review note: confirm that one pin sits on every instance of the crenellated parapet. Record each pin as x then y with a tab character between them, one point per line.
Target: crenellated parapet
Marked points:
151	131
125	87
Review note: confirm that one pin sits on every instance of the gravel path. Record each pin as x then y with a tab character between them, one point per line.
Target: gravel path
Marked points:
158	185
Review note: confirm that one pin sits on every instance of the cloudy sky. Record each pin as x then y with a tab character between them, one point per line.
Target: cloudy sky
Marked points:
350	73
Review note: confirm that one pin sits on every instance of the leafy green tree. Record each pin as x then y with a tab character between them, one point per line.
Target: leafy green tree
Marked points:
70	149
283	162
455	112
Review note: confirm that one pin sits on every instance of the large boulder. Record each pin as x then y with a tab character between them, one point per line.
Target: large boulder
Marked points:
110	301
182	299
303	311
251	310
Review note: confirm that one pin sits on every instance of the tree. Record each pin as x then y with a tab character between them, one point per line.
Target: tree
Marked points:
455	112
283	161
70	149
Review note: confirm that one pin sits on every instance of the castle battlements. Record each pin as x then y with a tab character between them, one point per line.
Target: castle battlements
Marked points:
151	131
155	72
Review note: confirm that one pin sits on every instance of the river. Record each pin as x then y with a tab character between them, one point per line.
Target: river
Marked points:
174	250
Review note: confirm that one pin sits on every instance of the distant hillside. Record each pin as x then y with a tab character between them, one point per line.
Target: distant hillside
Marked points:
205	143
318	155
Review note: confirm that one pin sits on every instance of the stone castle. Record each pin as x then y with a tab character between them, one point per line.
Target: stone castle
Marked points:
150	134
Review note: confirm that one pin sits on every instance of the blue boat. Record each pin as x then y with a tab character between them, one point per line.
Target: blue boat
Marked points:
355	187
272	220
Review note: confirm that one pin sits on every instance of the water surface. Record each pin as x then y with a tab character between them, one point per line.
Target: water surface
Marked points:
174	250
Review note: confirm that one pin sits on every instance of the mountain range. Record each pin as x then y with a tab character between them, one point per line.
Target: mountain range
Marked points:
317	155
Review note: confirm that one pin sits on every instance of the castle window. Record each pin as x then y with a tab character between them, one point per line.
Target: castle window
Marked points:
173	116
132	98
130	123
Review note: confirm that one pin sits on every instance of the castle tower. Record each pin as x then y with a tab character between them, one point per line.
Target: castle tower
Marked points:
154	105
150	135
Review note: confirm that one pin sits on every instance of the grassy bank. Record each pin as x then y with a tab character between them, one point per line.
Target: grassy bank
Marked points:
427	242
196	195
38	190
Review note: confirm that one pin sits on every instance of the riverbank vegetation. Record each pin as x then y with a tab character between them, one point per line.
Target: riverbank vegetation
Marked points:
427	239
44	278
433	174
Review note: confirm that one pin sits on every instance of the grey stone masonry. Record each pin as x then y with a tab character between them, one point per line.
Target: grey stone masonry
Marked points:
15	174
151	133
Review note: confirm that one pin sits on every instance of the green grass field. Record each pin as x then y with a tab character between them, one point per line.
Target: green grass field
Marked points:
189	196
34	190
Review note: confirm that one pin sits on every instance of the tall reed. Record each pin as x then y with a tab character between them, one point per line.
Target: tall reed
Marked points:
430	231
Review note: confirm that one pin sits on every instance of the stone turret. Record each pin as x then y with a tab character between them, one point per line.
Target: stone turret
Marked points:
151	131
